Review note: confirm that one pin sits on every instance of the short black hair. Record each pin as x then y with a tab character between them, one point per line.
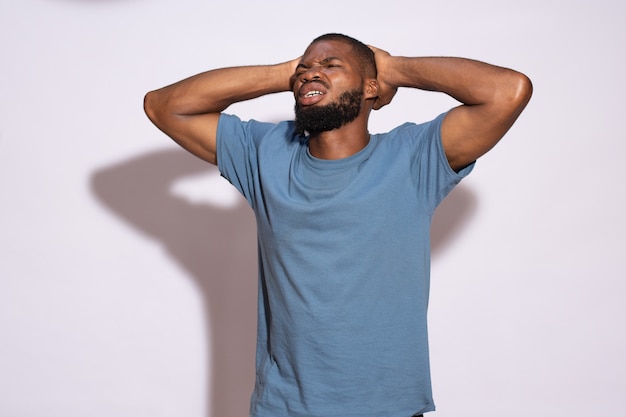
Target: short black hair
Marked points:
363	53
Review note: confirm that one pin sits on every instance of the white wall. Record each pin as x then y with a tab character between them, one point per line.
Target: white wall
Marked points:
127	267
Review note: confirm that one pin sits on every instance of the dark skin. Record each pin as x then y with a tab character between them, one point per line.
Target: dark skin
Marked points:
331	69
492	98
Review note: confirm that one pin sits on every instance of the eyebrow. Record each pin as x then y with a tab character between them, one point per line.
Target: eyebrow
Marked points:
322	62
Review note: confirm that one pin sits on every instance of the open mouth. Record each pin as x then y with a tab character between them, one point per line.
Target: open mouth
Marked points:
313	93
310	93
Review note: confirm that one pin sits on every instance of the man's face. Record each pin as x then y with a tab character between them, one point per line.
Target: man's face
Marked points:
328	87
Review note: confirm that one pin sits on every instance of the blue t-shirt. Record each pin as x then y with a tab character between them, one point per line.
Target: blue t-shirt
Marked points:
344	261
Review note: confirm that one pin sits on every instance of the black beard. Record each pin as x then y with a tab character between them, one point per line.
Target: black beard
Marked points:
316	119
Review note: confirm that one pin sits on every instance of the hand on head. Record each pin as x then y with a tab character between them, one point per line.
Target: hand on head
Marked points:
386	90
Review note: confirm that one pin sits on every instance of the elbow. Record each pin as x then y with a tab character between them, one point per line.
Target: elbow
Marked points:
522	90
149	106
157	108
512	95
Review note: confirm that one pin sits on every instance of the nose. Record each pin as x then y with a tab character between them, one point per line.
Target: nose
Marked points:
312	73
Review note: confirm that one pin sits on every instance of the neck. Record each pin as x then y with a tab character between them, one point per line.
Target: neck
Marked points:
339	143
328	145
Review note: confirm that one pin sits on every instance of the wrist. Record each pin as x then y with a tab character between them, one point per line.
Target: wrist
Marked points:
285	73
396	72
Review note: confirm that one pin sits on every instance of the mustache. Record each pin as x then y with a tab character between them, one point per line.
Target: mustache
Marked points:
321	82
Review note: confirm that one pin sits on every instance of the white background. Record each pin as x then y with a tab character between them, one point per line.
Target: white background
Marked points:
128	268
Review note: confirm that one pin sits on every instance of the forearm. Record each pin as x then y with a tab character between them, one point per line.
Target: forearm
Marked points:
468	81
213	91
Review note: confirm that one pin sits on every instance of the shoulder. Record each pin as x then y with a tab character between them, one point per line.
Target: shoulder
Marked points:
230	125
412	134
421	129
266	139
231	122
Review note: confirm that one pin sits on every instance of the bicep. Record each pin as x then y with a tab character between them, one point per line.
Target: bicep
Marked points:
197	133
467	134
470	131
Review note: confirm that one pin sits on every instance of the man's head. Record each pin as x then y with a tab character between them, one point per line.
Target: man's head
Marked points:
362	52
333	81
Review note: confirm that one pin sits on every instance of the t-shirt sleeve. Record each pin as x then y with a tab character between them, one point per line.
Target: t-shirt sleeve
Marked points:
434	176
237	144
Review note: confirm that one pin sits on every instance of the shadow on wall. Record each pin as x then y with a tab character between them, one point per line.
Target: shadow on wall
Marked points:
450	218
217	247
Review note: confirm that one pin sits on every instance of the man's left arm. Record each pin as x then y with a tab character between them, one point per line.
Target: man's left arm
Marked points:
493	97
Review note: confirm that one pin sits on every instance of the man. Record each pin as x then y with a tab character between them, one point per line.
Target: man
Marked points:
343	216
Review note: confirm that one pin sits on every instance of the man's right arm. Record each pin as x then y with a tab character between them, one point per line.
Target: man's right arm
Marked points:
189	110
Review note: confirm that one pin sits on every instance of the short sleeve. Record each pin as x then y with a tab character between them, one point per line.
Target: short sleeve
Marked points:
433	175
237	144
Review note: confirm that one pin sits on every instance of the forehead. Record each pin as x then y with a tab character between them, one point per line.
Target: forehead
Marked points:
321	50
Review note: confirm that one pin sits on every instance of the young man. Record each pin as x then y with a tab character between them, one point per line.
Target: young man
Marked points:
343	216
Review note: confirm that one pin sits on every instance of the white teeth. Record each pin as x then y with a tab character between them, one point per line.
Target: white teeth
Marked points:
313	93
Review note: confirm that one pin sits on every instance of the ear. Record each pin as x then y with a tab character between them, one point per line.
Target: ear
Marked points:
371	88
